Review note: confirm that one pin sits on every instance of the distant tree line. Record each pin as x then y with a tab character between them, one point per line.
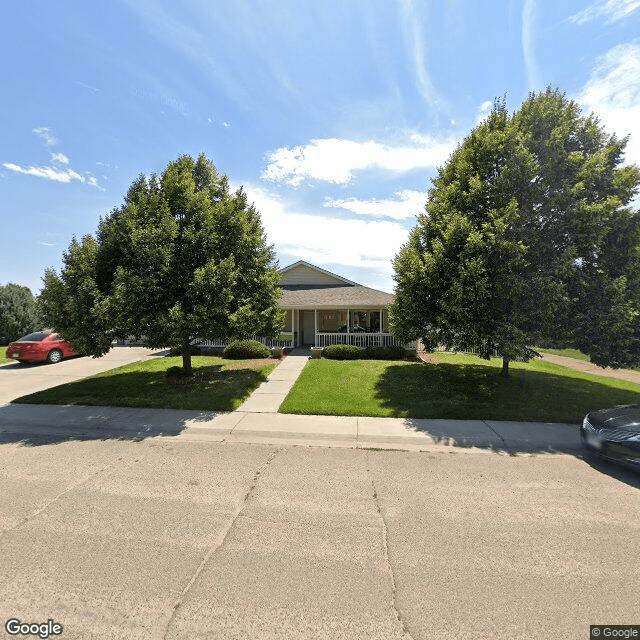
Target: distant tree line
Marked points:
19	312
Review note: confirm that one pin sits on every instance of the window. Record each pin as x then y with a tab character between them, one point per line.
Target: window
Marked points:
35	337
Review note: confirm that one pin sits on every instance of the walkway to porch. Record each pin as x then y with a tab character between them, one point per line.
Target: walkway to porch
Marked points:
268	397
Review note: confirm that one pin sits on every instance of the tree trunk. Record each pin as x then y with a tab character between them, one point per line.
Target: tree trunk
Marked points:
505	367
186	359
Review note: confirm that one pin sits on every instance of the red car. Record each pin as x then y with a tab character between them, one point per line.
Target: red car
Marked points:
40	346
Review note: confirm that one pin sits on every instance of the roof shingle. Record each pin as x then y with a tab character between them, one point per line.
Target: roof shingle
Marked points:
333	296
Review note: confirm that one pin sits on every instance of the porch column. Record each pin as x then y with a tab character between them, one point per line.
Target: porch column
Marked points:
380	327
315	328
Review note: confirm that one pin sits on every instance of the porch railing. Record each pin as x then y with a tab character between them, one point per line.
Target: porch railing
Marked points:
361	340
285	339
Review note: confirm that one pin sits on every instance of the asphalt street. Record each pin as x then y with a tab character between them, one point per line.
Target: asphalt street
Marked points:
170	538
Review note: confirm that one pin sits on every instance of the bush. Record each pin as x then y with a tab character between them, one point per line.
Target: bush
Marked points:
342	352
390	352
246	349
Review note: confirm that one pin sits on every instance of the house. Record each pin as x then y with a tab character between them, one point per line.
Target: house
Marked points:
323	308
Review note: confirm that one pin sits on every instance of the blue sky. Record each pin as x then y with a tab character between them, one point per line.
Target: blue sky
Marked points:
332	115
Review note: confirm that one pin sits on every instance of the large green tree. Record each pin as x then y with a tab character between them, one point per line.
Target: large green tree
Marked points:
18	312
527	237
181	258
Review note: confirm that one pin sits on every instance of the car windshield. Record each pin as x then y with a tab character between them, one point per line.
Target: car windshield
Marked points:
35	337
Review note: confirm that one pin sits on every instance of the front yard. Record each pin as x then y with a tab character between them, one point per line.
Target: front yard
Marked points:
457	387
225	385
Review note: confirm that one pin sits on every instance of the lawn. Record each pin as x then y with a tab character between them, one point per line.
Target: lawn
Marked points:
144	384
3	354
457	387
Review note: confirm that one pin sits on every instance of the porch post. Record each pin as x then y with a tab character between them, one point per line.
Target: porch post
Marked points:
348	327
315	328
380	327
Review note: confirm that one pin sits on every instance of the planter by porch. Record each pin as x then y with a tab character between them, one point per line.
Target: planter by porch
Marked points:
277	352
316	352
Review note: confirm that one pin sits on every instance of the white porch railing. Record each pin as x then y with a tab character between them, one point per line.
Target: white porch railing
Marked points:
285	339
360	339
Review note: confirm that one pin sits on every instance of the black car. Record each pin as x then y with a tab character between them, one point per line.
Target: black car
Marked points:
614	434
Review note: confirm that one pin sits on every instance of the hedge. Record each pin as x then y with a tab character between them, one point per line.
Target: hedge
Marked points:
246	349
342	352
390	352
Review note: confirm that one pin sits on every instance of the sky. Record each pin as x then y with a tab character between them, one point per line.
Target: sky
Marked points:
333	116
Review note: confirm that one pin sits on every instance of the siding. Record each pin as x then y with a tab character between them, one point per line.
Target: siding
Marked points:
306	275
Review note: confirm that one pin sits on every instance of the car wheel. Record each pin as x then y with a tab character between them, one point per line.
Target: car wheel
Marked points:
55	355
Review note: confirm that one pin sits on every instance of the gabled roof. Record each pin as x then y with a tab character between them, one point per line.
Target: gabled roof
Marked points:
333	297
303	263
308	286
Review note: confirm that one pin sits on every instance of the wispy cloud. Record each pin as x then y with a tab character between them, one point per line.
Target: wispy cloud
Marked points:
613	94
47	244
407	205
612	10
59	158
417	41
49	173
335	159
330	240
528	40
45	134
53	172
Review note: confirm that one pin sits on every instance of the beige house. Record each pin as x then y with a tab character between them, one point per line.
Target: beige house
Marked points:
324	308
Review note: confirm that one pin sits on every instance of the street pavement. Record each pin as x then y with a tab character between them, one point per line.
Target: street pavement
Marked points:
169	539
19	379
163	524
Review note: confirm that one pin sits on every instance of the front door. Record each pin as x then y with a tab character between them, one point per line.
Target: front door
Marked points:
308	326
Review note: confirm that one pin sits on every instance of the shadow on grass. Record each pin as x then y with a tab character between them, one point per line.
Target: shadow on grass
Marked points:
116	406
478	392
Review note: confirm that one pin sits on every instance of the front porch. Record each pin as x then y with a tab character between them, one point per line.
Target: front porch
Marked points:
324	327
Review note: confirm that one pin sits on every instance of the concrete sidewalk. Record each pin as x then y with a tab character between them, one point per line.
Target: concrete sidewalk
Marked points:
268	397
55	423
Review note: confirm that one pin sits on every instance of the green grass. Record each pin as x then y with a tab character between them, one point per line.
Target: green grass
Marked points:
458	387
3	354
144	384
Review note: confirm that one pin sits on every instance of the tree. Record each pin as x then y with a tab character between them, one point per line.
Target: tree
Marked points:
527	238
181	258
18	312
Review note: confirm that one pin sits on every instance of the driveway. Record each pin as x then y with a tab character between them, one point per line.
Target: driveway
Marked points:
18	379
170	539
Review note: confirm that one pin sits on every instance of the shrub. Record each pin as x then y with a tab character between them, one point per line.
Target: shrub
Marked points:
342	352
246	349
390	352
